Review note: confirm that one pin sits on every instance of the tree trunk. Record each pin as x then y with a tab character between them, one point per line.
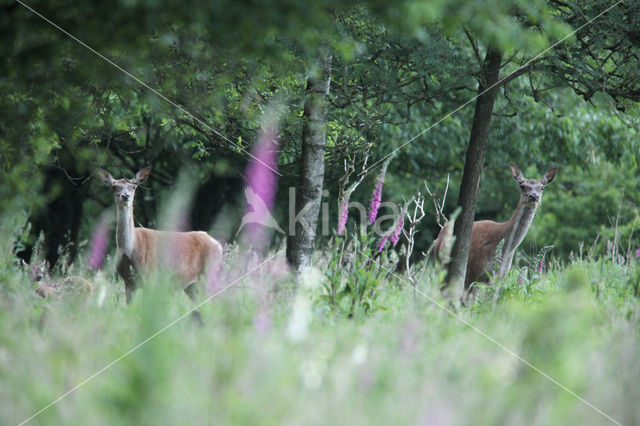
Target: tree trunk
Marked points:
472	169
303	217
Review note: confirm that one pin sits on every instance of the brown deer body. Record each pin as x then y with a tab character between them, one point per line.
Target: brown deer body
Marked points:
486	235
187	255
63	287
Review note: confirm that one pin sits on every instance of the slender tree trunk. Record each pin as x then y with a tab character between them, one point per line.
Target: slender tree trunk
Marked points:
303	218
472	169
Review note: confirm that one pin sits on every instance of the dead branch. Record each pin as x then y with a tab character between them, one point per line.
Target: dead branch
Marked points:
439	204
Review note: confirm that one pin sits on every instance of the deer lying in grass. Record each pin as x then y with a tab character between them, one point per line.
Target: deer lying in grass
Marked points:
486	235
64	287
140	250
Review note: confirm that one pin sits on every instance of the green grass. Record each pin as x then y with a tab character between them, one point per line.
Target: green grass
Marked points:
274	352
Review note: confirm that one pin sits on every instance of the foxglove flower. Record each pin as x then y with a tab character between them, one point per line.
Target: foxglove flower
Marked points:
261	183
343	214
376	198
99	244
395	237
540	263
540	258
383	242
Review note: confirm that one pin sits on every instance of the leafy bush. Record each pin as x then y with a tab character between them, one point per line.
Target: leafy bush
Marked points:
353	279
590	206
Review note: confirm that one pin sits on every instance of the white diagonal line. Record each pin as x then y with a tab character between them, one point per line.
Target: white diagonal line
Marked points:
500	345
136	347
151	89
529	62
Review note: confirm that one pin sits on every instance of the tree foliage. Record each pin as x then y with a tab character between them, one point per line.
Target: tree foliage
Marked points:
397	69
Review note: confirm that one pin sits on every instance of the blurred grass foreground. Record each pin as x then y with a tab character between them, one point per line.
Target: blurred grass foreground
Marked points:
274	352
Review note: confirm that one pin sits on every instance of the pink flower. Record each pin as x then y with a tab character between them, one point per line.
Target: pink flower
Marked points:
395	237
540	263
638	253
99	244
343	214
262	320
262	179
377	198
383	242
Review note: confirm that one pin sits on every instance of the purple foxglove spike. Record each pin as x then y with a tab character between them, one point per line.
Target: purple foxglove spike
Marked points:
99	244
377	192
376	199
539	269
383	242
395	237
261	186
343	215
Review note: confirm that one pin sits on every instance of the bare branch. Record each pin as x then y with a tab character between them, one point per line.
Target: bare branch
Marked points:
410	230
439	205
474	45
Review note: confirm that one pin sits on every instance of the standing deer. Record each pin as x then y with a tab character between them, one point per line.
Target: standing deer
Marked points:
140	250
486	235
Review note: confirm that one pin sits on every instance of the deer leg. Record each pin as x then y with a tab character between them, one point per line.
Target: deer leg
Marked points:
469	296
126	270
129	288
190	291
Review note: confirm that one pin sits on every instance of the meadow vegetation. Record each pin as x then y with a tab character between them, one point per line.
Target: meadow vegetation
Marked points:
277	349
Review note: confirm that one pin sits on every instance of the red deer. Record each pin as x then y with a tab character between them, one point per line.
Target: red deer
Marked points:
63	287
188	255
486	235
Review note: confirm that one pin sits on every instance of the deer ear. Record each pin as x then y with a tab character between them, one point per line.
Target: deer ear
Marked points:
142	175
105	177
516	173
548	176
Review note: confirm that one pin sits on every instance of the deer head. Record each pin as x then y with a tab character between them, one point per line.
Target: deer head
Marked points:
38	271
124	189
532	189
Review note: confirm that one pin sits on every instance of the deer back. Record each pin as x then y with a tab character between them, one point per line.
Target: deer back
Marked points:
187	254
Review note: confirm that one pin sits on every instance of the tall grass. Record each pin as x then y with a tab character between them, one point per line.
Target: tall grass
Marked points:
272	351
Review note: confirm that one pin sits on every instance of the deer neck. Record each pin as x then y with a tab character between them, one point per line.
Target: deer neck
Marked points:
124	229
518	225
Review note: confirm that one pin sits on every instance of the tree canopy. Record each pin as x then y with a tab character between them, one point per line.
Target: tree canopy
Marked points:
126	84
